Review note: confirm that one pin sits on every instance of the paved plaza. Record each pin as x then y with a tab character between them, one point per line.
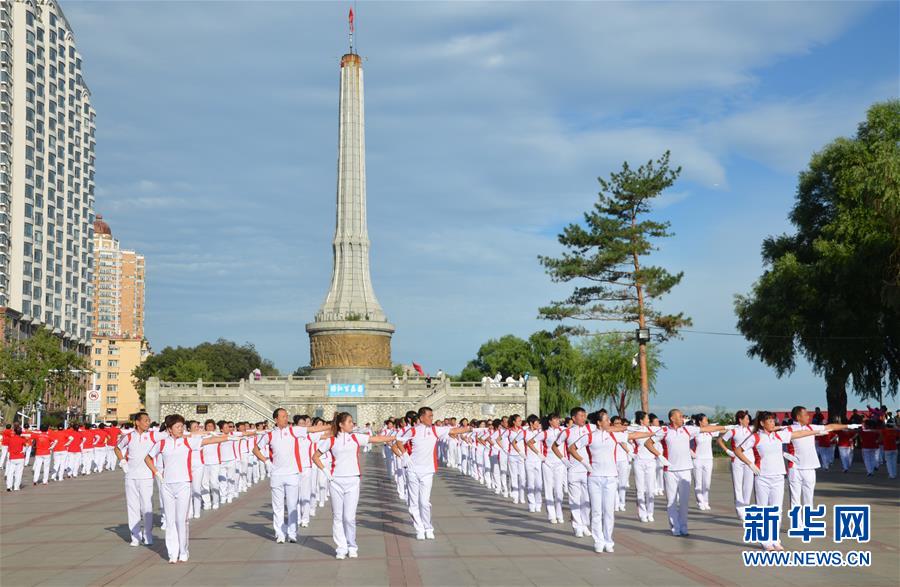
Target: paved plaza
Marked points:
74	533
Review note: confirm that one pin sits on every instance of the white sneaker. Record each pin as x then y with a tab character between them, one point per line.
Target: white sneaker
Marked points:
553	521
353	554
135	542
304	524
215	506
183	558
608	548
340	556
420	536
579	533
293	540
598	548
279	540
429	534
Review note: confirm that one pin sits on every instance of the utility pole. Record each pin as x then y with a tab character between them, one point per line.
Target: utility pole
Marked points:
643	333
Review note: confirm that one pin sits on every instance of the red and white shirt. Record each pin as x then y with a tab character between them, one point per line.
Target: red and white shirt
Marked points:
135	446
804	448
344	453
422	445
703	445
285	450
545	440
176	455
767	450
517	436
735	437
676	445
602	449
569	437
640	449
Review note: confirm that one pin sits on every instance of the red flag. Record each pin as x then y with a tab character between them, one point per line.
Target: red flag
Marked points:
418	368
351	20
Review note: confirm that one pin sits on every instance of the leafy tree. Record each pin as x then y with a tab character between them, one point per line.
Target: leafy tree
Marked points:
304	371
555	363
830	290
606	255
37	369
608	373
222	360
509	355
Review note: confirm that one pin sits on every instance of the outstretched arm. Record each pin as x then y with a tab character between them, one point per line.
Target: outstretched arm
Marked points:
215	440
379	439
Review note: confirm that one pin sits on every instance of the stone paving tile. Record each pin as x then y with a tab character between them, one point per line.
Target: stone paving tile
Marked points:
74	534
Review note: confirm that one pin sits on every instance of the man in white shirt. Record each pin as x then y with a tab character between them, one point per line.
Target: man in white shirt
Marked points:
131	450
579	498
422	451
802	457
676	448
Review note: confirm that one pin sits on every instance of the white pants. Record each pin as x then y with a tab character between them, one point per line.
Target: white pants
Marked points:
100	458
770	491
660	478
702	478
603	495
517	479
826	455
110	458
645	486
73	463
322	485
139	506
802	483
228	480
177	500
533	484
678	491
870	459
579	499
41	465
307	476
87	461
285	491
59	465
399	478
344	499
846	453
27	454
503	459
624	473
742	481
212	493
890	458
4	452
554	480
14	470
419	493
162	501
499	476
196	488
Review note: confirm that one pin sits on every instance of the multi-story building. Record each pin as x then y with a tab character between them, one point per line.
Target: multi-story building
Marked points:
46	173
46	177
114	358
118	340
118	286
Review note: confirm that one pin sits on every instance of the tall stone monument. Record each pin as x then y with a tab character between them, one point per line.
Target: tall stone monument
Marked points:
351	337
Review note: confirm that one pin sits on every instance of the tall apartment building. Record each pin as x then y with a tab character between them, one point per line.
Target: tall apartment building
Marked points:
118	339
46	174
118	286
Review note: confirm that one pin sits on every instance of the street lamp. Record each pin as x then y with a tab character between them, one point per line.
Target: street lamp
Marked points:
642	335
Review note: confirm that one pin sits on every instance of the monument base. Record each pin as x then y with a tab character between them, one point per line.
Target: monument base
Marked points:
349	350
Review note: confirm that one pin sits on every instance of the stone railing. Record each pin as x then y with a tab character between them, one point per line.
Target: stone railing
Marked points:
258	398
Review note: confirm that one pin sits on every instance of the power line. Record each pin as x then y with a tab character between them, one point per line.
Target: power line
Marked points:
738	334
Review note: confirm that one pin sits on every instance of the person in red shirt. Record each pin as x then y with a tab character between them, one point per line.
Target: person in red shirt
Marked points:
16	444
825	448
73	462
4	451
28	435
87	449
889	444
870	440
60	452
845	440
42	445
112	439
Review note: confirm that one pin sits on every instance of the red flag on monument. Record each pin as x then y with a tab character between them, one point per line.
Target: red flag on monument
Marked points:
351	20
418	368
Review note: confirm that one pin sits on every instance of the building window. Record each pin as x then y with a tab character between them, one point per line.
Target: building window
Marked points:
112	363
111	399
98	351
97	363
112	388
112	375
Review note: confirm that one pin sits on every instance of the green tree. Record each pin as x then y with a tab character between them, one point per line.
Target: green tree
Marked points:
608	371
37	369
606	255
304	371
509	355
829	291
555	363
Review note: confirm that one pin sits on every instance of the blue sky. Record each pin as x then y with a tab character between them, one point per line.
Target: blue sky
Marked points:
487	126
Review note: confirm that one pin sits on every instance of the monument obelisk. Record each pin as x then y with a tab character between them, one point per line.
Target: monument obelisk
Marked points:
351	337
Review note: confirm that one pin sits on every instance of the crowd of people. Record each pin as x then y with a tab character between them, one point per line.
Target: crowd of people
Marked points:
584	460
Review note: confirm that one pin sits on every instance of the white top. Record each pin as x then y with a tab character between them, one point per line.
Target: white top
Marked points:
569	437
676	443
307	448
516	435
532	456
134	447
546	439
210	454
423	439
229	450
736	436
284	449
640	448
176	455
767	450
503	440
703	445
805	448
344	453
602	449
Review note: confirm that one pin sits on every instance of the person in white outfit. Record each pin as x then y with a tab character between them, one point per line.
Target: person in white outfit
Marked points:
703	462
623	466
516	438
534	456
307	470
211	457
423	438
193	427
579	498
803	459
344	476
676	457
766	446
645	463
553	469
133	446
601	443
741	475
284	449
176	451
